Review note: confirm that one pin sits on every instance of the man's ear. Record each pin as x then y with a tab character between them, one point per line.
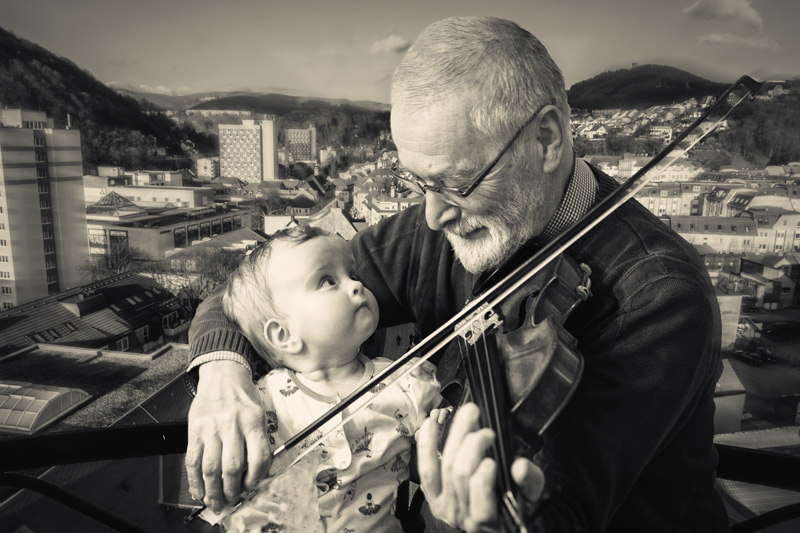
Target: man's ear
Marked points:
280	338
551	138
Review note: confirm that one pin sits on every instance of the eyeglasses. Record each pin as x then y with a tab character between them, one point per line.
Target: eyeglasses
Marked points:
416	184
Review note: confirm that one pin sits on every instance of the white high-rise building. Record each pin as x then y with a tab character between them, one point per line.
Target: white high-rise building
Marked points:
249	151
302	144
43	244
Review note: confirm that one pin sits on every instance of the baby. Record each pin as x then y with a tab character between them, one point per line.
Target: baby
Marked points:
298	300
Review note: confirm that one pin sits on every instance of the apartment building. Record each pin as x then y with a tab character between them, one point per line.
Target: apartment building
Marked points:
248	151
675	198
778	229
42	218
722	234
301	145
208	167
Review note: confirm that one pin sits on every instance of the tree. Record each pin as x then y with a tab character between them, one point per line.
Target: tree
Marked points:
194	272
118	259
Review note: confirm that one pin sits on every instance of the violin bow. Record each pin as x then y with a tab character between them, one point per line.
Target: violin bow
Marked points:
461	324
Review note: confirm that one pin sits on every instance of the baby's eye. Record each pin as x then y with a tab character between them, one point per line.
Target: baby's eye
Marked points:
327	281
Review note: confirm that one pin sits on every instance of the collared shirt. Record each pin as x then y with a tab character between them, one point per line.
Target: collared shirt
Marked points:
580	195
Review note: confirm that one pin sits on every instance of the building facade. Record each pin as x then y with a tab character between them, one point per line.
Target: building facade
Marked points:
301	145
208	167
721	234
249	151
42	218
155	237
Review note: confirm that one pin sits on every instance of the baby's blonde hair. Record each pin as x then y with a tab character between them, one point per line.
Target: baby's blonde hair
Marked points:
247	297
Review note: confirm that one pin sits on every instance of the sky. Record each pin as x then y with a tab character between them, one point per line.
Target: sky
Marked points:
348	49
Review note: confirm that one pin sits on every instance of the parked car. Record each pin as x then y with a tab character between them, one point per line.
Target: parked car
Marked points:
765	354
751	358
782	331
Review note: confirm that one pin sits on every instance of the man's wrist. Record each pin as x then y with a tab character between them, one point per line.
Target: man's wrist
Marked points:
220	355
192	377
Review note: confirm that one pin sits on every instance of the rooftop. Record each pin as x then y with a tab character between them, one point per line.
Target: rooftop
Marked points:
116	385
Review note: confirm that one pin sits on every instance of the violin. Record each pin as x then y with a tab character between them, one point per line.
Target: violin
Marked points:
521	365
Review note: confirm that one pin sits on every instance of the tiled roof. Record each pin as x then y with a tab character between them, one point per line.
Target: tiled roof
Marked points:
88	316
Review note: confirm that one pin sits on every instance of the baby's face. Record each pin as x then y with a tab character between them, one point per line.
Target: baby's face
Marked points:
315	289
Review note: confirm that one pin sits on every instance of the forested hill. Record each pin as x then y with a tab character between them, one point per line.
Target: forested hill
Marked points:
114	129
641	87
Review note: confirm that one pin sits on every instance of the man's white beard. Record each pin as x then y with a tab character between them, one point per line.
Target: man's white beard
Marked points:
506	234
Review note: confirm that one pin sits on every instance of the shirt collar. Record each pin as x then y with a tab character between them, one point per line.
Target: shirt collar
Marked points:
580	195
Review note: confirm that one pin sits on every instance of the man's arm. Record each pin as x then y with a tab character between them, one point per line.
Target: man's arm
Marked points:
227	423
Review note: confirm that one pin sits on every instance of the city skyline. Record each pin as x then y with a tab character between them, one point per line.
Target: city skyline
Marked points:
323	49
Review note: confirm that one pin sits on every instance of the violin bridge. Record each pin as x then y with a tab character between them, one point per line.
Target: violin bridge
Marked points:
478	324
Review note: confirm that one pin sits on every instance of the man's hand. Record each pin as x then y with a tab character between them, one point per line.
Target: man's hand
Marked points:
227	435
460	485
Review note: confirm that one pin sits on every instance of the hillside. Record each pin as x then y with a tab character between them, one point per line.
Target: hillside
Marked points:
259	102
640	87
338	122
114	129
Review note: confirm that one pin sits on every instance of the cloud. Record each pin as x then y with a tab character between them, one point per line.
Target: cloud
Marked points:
158	89
393	44
728	39
725	10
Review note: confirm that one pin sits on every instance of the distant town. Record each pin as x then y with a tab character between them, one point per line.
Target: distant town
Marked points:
100	274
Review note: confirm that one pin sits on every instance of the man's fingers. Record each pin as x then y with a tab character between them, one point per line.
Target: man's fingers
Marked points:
259	458
529	478
194	466
465	466
428	462
464	422
483	508
232	470
212	471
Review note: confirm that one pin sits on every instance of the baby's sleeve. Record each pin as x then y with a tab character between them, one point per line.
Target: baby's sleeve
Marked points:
422	391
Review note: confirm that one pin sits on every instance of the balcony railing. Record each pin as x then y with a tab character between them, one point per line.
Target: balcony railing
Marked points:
19	456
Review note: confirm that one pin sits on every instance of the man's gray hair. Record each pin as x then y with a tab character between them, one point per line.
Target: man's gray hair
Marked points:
503	71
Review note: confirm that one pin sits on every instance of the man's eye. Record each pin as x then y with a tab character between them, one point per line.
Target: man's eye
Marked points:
327	281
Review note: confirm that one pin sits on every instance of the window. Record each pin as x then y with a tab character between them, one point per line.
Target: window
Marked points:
7	305
122	344
145	334
3	242
5	290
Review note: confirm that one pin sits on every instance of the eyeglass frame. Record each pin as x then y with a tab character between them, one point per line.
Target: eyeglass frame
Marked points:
461	191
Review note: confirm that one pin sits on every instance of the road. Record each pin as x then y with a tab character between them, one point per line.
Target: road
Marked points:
764	384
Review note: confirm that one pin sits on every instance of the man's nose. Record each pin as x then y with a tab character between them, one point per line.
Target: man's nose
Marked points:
438	211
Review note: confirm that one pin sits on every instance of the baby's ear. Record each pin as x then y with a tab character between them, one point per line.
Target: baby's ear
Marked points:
280	338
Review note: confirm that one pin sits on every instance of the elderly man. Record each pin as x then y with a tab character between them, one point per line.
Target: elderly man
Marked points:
481	123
